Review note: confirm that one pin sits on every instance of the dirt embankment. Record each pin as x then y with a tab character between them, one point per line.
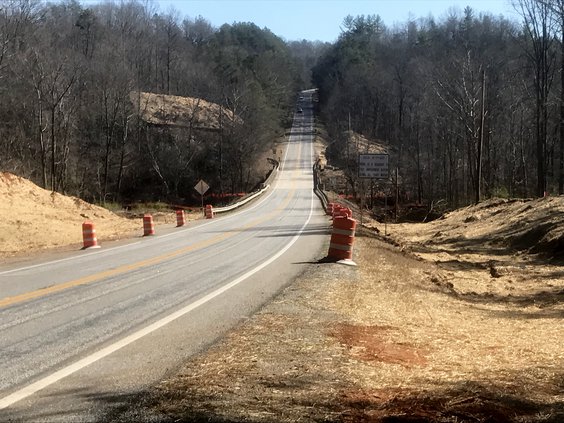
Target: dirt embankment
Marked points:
496	226
455	330
515	246
34	219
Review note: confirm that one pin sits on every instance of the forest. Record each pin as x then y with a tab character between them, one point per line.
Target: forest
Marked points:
469	106
68	74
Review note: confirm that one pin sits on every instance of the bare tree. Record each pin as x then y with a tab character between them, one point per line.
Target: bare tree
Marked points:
464	96
557	8
52	77
539	27
14	16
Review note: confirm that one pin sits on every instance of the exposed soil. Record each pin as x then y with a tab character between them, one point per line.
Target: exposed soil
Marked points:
187	112
33	219
504	250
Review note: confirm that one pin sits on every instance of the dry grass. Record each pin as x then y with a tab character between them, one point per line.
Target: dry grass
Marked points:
495	226
471	349
504	250
387	339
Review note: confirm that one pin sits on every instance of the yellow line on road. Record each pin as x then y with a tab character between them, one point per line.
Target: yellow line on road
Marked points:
8	301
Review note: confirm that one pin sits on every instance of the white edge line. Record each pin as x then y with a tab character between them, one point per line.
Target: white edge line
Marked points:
104	352
263	199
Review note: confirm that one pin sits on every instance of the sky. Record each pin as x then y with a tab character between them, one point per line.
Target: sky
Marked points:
322	19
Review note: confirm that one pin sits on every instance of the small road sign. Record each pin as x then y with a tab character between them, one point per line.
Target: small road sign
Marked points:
201	187
373	166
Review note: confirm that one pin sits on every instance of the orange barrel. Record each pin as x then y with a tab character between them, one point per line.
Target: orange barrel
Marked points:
180	218
209	211
336	208
148	225
330	209
342	238
344	212
89	235
339	211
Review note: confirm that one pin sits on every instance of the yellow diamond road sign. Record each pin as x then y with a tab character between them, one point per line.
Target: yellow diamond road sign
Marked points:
201	187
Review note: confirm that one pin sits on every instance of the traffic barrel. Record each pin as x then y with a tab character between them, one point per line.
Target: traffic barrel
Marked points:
180	218
89	239
342	211
342	239
148	225
209	211
339	211
336	209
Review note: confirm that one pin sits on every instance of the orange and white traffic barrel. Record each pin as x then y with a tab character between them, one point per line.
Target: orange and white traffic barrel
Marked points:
89	239
148	225
342	239
342	211
209	211
335	211
339	211
180	218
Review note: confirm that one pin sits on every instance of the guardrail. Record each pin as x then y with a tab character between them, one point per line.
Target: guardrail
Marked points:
242	202
317	187
265	186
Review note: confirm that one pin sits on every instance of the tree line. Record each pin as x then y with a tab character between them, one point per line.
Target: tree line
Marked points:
471	106
68	122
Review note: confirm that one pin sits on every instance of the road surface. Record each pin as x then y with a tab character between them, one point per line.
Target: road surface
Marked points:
81	337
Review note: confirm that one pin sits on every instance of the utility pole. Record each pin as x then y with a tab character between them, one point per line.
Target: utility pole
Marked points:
397	196
348	137
481	140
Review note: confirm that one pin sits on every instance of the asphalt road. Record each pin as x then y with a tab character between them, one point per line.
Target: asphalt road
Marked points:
84	335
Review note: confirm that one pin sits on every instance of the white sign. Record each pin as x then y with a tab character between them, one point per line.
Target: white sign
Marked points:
373	166
201	187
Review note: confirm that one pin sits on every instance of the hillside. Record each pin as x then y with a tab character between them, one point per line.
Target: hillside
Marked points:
468	329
